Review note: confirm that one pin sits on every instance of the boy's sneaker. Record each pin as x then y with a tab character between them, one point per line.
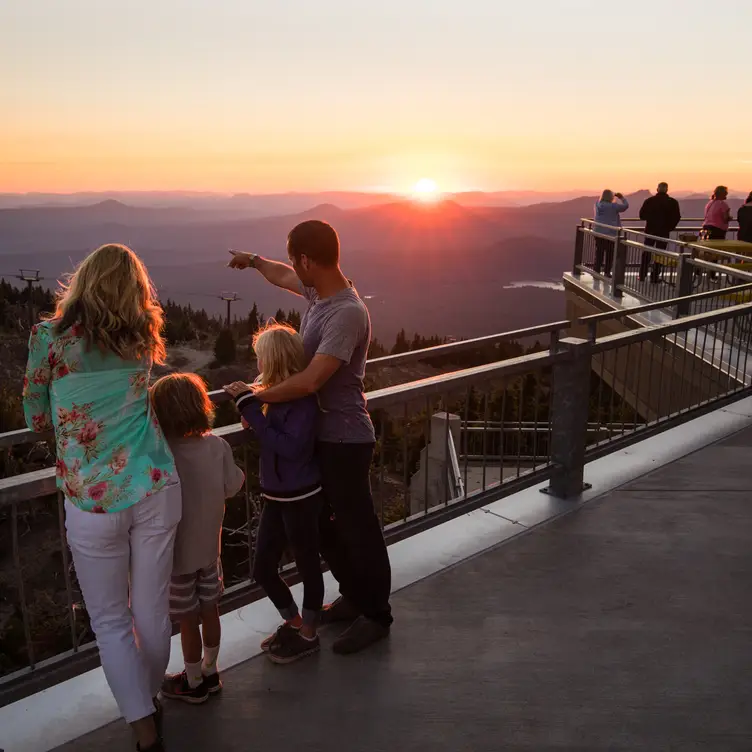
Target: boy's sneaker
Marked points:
176	687
213	683
266	643
158	746
292	646
338	610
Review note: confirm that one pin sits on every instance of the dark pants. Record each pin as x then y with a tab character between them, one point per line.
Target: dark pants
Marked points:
604	247
714	233
293	523
661	245
350	534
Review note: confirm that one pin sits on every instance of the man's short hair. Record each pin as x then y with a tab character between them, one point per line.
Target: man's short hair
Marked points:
315	239
662	187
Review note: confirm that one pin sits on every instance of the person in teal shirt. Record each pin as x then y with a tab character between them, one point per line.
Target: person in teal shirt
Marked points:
87	380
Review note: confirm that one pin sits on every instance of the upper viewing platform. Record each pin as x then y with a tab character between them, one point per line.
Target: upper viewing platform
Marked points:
567	512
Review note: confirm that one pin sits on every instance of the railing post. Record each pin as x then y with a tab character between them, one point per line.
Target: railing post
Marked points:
684	284
579	242
620	265
570	402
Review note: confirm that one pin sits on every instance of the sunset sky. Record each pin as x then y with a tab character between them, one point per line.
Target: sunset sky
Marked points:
266	96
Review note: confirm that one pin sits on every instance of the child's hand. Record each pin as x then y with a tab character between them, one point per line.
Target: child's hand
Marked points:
236	388
244	423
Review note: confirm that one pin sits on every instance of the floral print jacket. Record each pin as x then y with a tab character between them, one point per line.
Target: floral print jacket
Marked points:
110	449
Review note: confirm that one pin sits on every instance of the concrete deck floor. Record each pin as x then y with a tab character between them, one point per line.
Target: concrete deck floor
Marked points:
626	625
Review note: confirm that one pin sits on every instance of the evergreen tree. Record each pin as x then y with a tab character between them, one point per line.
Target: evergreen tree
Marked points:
254	323
224	348
401	345
280	317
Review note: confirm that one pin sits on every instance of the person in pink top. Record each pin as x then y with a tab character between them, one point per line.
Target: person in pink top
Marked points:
717	215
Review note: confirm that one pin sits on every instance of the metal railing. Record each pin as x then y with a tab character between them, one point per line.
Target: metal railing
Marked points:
553	410
659	269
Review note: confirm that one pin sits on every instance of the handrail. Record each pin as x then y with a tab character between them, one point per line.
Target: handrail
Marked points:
42	482
607	315
459	486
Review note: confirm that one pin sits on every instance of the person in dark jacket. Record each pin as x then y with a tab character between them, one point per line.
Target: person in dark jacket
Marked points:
744	217
291	490
661	215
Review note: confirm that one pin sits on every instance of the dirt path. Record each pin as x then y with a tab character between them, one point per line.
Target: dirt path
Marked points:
189	359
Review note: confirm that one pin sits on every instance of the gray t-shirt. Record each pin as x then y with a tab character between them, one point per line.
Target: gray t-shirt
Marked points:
340	326
208	475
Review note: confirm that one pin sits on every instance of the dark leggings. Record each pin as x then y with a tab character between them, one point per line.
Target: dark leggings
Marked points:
714	233
293	523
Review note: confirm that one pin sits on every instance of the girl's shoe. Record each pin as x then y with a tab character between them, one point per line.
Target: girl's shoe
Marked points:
158	746
267	642
292	646
176	687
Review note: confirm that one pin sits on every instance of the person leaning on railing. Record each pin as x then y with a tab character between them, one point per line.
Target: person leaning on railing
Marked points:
744	217
661	215
607	222
87	380
717	215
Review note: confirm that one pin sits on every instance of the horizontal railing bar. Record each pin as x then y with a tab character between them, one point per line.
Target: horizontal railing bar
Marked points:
721	269
658	331
606	315
42	482
653	249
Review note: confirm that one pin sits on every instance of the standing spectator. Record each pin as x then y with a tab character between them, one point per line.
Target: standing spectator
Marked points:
208	475
744	216
336	331
661	215
717	215
87	380
608	222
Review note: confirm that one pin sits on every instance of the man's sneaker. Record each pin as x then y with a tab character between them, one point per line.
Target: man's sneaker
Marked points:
158	746
292	646
339	610
361	634
266	643
213	683
176	687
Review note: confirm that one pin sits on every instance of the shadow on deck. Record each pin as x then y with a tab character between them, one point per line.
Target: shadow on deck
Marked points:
626	625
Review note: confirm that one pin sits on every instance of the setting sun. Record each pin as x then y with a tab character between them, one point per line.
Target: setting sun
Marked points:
425	189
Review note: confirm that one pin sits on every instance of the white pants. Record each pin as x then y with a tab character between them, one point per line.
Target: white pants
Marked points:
110	552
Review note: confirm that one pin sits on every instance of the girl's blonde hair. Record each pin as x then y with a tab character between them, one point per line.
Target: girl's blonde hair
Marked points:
182	405
279	348
111	298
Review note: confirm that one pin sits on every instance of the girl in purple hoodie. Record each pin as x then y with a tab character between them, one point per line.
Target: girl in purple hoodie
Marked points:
291	489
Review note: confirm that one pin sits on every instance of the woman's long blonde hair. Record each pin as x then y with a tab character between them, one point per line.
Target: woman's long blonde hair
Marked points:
279	349
111	298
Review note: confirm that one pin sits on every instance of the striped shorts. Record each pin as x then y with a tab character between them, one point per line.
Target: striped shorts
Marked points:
188	592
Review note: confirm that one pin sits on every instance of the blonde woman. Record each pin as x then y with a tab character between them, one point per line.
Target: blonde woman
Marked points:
291	487
87	380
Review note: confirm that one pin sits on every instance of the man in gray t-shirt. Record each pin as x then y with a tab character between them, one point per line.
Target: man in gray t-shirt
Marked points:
336	331
339	326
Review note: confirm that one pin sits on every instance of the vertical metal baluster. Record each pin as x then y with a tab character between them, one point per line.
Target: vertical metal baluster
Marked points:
713	372
405	468
636	410
519	422
601	382
672	375
648	402
538	376
625	401
664	343
248	513
614	377
550	425
682	379
21	587
66	569
447	457
467	437
382	460
502	431
485	436
427	434
703	365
